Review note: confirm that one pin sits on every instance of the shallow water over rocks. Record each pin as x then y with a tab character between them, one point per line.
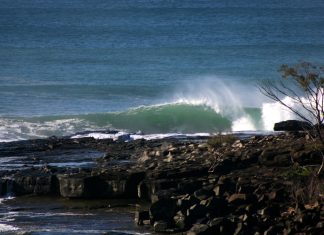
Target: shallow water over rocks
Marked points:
57	216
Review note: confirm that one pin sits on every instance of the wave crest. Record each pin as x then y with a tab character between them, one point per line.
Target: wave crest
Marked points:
178	117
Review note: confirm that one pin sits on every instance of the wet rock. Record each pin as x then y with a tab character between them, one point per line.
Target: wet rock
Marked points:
220	189
180	220
274	230
278	195
164	209
189	186
163	194
40	184
272	211
160	226
186	202
141	216
142	190
199	229
78	186
216	206
203	193
238	229
196	212
221	225
240	198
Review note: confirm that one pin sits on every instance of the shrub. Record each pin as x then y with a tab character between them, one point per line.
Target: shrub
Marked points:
218	140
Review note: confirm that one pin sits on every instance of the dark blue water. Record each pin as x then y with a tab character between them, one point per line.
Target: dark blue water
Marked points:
60	60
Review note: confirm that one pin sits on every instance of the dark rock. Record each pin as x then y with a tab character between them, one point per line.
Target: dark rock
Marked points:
187	202
238	229
140	216
292	125
160	226
78	186
278	195
163	194
40	184
196	212
274	230
216	206
283	160
274	157
199	229
164	209
192	171
203	193
189	186
240	198
180	220
220	189
142	190
225	166
272	211
221	226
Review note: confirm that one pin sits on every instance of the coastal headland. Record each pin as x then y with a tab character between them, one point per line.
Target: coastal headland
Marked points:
261	184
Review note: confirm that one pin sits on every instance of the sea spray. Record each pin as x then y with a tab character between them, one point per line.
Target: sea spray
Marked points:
227	97
273	112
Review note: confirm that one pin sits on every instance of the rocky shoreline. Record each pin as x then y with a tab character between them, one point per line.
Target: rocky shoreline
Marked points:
257	185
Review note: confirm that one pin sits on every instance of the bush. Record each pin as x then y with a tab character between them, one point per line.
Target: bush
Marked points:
218	140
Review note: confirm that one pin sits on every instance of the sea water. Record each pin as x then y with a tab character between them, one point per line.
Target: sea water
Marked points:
149	67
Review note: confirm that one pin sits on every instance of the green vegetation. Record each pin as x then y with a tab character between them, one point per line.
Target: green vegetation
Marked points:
302	87
218	140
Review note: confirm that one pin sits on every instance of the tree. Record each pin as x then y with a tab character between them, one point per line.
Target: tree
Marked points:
303	84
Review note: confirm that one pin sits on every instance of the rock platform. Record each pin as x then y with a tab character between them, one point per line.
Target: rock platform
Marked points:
257	185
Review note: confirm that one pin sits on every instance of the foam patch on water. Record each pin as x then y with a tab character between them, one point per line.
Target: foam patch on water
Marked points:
7	228
129	137
12	129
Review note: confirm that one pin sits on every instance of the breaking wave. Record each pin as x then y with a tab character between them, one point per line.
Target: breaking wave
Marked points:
212	109
177	117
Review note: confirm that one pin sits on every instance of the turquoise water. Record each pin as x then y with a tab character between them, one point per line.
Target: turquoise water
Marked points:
183	66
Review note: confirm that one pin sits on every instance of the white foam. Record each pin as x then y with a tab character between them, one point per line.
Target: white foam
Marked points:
6	199
98	135
17	129
273	112
128	137
7	228
243	124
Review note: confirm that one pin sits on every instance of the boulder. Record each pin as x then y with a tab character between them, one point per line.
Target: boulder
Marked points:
180	220
292	125
164	209
203	193
141	216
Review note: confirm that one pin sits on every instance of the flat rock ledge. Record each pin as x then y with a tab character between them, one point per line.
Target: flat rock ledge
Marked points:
259	185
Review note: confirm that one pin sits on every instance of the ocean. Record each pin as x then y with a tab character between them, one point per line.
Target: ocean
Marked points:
140	69
148	67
